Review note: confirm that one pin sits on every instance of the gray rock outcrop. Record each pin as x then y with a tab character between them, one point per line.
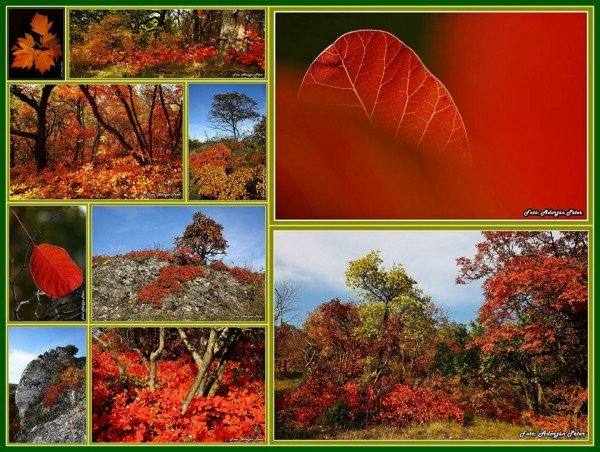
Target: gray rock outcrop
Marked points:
63	421
217	296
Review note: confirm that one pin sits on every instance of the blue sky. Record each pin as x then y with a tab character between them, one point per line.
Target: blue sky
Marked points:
315	261
118	230
27	343
200	100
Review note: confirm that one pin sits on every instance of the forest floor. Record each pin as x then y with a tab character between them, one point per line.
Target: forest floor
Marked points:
118	178
189	70
479	429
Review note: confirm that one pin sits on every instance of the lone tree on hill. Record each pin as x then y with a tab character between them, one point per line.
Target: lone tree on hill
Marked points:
204	236
229	110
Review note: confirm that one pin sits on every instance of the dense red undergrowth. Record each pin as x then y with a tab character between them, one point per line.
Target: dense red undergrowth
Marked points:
125	409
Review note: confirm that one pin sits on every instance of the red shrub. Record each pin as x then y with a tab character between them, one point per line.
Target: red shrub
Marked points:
169	280
405	405
67	377
217	155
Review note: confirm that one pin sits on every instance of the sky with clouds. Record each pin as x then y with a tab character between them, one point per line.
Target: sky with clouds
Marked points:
200	100
26	343
118	230
315	261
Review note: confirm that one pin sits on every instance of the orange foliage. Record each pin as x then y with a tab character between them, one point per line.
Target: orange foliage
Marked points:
120	178
41	54
111	43
217	173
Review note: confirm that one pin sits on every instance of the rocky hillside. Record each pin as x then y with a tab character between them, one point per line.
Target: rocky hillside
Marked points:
51	399
142	287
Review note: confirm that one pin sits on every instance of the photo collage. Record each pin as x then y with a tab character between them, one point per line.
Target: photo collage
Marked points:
297	226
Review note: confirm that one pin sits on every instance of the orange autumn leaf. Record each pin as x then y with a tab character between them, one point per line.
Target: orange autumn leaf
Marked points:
44	60
27	41
40	24
42	54
24	58
47	39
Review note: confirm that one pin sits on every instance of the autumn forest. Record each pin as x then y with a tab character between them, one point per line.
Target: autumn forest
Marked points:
95	141
393	366
167	43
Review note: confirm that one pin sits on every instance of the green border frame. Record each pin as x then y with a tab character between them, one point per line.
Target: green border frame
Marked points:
273	225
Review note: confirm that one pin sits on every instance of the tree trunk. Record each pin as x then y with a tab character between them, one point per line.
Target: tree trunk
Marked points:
153	357
195	26
139	158
233	31
150	144
202	362
39	150
41	155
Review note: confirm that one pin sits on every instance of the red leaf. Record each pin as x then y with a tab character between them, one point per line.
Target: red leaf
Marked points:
53	271
377	73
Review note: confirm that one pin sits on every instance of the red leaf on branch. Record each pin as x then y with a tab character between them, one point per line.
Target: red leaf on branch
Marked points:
377	73
53	271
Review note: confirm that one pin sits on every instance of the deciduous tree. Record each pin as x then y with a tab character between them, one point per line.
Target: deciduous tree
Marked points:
204	238
229	110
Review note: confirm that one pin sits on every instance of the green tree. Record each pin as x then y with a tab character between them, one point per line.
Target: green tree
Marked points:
368	279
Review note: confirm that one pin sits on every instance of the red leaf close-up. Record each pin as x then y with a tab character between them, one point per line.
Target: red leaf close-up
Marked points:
377	73
53	270
445	116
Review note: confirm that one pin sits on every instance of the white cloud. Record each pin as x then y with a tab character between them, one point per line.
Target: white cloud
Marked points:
17	362
320	258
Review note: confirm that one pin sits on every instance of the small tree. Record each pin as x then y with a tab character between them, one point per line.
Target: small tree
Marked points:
368	279
229	110
204	238
286	297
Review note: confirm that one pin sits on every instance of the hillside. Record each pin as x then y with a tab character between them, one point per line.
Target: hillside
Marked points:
154	286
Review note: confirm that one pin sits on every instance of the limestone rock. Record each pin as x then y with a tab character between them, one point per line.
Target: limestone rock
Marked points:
218	296
65	420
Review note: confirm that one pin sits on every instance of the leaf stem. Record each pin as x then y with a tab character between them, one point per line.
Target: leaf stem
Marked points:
21	223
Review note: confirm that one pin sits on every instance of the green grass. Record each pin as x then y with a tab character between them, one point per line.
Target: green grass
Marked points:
289	382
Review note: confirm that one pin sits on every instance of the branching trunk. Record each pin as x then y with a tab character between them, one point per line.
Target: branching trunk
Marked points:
202	361
39	151
133	119
140	158
174	130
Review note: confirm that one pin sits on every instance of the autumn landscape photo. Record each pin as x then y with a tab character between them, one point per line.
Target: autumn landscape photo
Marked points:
227	141
96	141
169	385
167	43
431	335
175	263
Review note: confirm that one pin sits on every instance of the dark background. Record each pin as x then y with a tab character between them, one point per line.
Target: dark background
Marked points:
18	24
316	31
67	231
